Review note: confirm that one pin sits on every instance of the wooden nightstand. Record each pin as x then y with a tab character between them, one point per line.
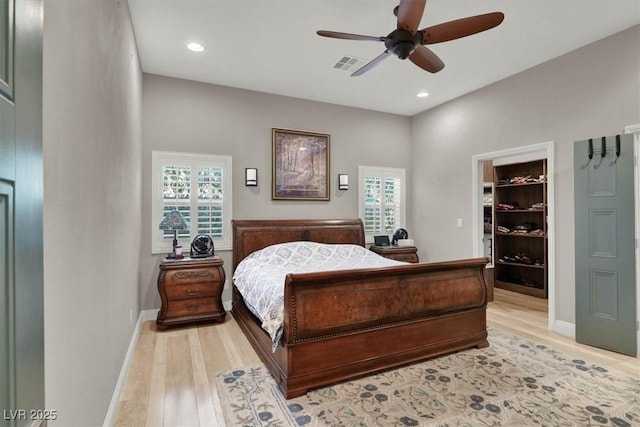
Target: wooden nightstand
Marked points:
190	291
399	253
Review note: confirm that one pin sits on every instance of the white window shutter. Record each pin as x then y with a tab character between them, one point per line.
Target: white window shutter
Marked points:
199	187
381	204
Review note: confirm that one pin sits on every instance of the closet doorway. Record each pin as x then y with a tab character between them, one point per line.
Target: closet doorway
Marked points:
518	155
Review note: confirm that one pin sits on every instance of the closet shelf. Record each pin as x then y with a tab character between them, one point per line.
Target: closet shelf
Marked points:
537	236
523	289
518	264
524	184
519	210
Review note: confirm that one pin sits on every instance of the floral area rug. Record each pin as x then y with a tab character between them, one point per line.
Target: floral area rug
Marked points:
513	382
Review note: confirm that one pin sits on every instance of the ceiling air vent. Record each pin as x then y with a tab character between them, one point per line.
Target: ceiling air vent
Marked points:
349	63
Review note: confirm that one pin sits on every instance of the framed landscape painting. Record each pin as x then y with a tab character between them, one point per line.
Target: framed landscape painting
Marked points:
300	165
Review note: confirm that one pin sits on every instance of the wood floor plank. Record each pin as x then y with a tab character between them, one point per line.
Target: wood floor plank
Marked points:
140	367
227	341
206	412
217	405
172	379
139	380
155	403
130	413
180	403
244	349
216	357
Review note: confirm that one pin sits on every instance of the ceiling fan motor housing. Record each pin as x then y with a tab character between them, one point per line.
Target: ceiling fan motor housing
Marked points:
402	43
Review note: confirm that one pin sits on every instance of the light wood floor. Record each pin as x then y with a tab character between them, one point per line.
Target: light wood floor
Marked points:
172	378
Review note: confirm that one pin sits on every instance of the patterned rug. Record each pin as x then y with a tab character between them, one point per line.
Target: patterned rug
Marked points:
513	382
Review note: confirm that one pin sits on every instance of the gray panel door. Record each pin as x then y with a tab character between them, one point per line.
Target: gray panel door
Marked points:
21	280
605	244
7	176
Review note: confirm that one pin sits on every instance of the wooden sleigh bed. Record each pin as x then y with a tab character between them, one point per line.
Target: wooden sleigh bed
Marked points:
344	324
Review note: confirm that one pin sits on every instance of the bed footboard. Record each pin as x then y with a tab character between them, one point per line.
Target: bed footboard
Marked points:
344	324
326	304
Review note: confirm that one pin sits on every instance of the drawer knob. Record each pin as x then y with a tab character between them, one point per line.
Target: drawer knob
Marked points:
192	292
192	307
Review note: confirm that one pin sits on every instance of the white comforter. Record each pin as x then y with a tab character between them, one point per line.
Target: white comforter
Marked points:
260	276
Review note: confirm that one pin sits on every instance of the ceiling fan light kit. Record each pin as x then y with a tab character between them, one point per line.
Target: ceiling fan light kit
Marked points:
406	41
402	43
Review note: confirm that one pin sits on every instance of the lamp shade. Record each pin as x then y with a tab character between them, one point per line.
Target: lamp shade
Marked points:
174	221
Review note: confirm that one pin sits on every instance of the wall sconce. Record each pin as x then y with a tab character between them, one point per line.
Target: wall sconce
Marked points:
251	177
343	182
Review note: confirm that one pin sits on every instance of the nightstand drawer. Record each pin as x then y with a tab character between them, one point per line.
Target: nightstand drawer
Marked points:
192	307
192	290
404	257
398	253
194	275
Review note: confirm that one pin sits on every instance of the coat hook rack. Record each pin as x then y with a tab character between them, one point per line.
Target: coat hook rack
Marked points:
604	146
590	149
617	145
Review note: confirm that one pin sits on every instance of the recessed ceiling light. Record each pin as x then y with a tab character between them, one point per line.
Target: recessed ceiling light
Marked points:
422	94
196	47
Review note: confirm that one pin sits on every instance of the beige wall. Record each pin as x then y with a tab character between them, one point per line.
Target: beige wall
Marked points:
181	115
593	91
92	140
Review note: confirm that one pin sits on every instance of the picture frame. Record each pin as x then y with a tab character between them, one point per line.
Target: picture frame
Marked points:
300	165
381	240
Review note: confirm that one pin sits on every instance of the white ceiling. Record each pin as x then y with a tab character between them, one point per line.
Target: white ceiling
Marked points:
271	45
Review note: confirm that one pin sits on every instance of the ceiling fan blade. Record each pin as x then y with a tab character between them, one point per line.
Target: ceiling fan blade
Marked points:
461	27
348	36
369	65
424	58
410	14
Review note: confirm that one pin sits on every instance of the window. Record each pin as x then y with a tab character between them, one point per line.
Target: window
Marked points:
382	201
199	187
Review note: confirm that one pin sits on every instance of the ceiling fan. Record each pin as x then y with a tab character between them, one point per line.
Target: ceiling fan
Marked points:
408	42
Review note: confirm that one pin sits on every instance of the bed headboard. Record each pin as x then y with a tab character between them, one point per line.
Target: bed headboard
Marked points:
250	235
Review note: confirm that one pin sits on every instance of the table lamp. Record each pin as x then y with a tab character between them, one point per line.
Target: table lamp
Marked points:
174	221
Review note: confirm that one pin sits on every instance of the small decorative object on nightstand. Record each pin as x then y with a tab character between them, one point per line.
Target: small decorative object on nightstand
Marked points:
190	291
174	221
398	253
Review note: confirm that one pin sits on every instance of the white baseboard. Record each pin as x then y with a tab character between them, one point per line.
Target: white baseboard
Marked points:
565	328
145	315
